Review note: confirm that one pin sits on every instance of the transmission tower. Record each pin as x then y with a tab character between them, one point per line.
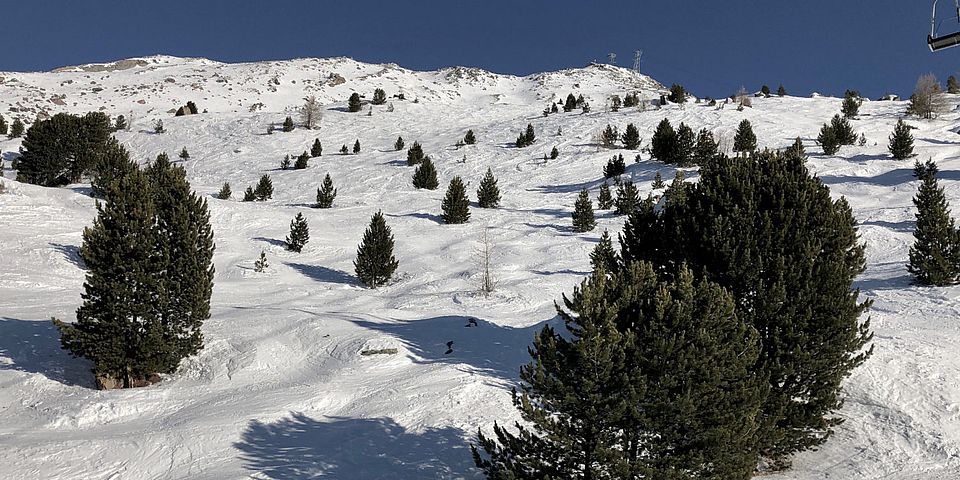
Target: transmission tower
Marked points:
612	58
636	60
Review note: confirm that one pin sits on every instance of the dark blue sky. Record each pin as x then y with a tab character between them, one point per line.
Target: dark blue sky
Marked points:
712	48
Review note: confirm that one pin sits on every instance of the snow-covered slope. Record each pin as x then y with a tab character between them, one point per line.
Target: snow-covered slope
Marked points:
281	389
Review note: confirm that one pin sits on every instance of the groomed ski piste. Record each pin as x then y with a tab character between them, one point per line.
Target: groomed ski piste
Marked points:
281	389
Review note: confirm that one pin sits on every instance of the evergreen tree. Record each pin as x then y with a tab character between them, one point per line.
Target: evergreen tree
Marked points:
744	141
3	126
901	141
604	199
264	190
184	154
317	149
16	128
935	254
614	167
326	193
456	205
117	326
554	153
469	138
570	104
797	148
488	194
379	96
299	234
354	103
248	195
261	264
112	164
843	131
425	176
344	150
765	91
224	192
356	147
158	127
604	257
952	85
375	262
285	163
627	198
302	160
192	107
526	138
663	144
706	147
658	181
850	107
677	94
583	219
609	136
415	154
631	137
770	233
828	140
288	125
398	145
686	144
781	92
63	148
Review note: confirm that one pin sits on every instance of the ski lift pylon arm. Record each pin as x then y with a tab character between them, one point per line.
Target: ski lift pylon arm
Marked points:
944	41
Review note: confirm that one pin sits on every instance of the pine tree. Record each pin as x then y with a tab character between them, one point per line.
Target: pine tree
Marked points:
554	153
744	141
375	262
302	161
765	91
781	92
344	150
604	199
285	163
658	181
192	107
356	147
455	205
850	107
570	104
317	149
184	154
901	141
686	144
828	140
116	327
353	104
264	190
677	94
583	219
3	126
248	195
288	125
415	154
488	195
631	137
379	96
627	198
16	128
398	145
843	131
526	138
425	176
113	163
609	136
663	144
935	254
772	235
158	127
299	234
604	257
261	264
614	167
326	193
706	147
797	148
63	148
224	192
470	138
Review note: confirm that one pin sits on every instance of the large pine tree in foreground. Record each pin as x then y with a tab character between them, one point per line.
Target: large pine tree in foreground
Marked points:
935	254
375	262
769	232
652	380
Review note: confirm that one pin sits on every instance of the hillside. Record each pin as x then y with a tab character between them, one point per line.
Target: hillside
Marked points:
281	390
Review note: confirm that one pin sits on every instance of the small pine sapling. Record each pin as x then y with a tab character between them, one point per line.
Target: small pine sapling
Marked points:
299	234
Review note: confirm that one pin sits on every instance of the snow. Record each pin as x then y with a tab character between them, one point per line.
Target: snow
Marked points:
281	390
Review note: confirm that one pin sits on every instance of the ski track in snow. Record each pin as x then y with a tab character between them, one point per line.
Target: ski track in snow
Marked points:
280	389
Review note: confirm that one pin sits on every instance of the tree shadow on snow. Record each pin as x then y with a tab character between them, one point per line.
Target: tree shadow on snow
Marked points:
298	446
271	241
323	274
907	226
71	253
426	216
33	346
480	345
887	179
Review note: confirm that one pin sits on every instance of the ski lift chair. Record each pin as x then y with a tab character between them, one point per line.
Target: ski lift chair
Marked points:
941	42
